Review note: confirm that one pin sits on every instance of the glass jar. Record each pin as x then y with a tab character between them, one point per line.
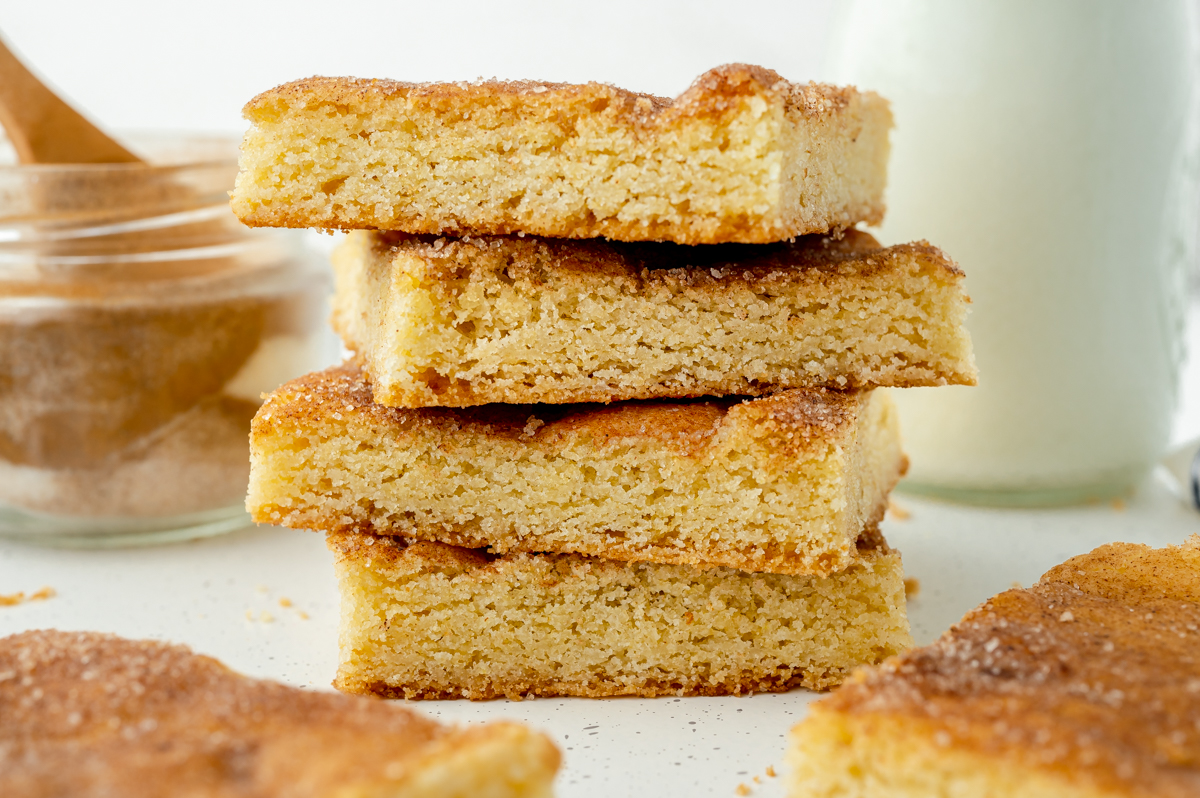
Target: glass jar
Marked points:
1053	150
139	325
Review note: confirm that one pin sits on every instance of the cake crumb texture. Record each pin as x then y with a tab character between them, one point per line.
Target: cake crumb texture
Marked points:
427	620
1085	685
459	322
785	483
743	155
88	715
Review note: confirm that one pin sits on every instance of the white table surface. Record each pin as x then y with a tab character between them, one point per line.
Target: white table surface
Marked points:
212	595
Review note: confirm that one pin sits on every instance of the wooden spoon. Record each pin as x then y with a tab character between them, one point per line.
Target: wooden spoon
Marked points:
43	128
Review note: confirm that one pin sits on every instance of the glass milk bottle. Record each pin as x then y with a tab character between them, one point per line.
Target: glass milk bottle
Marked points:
1051	149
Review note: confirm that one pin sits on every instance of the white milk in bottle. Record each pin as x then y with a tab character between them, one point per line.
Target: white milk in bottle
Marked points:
1051	149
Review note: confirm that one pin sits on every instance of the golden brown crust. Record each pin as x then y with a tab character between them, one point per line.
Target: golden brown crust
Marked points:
419	555
711	94
801	416
809	679
645	267
449	98
454	557
87	714
431	555
1134	574
1093	674
774	559
466	395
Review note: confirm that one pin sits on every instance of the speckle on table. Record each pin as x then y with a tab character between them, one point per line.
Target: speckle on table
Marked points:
13	599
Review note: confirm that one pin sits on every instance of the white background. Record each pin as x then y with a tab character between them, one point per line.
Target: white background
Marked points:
154	64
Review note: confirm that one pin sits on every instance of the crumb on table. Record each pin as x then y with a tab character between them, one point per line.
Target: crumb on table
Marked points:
13	599
912	587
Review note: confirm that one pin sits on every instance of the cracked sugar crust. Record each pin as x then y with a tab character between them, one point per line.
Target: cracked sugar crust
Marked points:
714	93
742	155
720	268
1092	674
461	322
805	418
87	714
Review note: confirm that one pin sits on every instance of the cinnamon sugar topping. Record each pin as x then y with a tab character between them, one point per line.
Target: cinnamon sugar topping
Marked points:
1094	671
86	714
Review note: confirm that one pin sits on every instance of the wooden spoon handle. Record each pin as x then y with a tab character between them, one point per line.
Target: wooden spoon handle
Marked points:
43	128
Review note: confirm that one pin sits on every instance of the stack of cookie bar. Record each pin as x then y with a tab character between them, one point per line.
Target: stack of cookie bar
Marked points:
611	427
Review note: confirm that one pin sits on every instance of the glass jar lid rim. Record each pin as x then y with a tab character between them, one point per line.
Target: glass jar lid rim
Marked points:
162	151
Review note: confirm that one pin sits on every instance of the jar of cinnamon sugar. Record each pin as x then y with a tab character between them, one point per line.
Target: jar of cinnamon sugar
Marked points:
139	325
